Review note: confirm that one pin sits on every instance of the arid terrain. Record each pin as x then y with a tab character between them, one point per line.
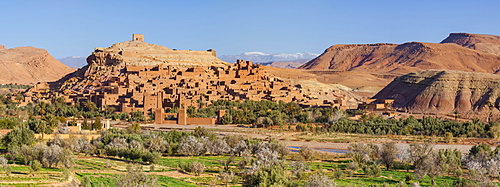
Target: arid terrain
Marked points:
29	65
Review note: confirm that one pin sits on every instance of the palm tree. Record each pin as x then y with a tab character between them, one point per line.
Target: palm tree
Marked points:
19	98
456	114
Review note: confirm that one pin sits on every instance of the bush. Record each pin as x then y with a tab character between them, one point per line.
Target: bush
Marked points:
338	174
3	161
197	168
319	180
35	165
409	178
270	176
401	184
191	146
151	157
135	177
66	173
186	167
18	137
226	177
307	153
372	170
85	182
298	169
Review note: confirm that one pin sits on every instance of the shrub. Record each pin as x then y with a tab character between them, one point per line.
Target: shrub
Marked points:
135	177
186	167
388	154
372	170
3	161
266	157
338	174
35	165
267	176
85	182
226	163
307	153
191	146
218	147
401	184
242	164
298	169
197	168
226	177
319	180
18	137
66	173
409	178
151	157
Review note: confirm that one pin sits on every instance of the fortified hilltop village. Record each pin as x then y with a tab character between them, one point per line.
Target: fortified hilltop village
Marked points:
135	75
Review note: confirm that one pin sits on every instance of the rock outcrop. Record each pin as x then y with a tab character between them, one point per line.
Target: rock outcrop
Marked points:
29	65
106	62
481	42
140	53
444	92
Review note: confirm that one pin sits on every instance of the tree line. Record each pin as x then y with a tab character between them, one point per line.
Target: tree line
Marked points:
43	115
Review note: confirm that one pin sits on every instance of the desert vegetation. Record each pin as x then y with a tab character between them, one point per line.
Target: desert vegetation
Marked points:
176	158
137	157
42	117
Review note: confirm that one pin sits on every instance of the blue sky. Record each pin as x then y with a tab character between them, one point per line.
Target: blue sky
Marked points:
75	27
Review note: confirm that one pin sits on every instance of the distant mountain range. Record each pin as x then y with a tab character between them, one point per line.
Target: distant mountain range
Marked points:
282	60
74	62
263	57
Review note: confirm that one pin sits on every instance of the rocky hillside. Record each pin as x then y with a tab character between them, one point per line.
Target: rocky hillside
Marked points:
29	65
392	59
134	73
110	61
481	42
444	92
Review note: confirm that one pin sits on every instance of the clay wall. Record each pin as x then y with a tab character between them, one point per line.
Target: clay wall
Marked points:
200	121
75	129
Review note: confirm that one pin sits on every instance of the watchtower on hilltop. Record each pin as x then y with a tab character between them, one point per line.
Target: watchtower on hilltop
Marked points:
138	37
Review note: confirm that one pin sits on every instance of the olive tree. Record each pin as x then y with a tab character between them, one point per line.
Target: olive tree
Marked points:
388	152
136	177
18	137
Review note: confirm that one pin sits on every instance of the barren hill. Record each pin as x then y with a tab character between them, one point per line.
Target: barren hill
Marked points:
444	92
29	65
481	42
460	51
395	59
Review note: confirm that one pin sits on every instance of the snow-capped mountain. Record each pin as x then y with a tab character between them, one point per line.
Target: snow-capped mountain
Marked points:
74	62
263	57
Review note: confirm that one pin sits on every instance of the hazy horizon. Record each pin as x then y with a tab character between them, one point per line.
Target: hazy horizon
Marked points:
75	28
